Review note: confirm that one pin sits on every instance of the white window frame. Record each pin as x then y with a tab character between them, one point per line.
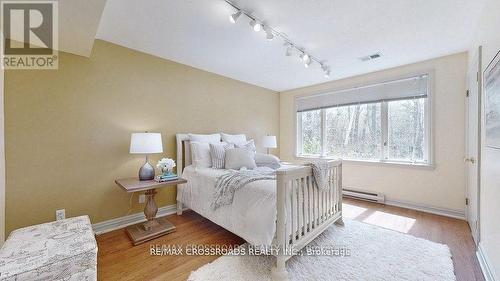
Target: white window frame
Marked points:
428	132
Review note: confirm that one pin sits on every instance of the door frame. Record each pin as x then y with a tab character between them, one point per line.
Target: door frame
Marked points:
2	158
479	85
2	146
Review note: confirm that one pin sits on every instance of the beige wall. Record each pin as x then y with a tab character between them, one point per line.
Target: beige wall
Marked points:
68	131
488	36
442	187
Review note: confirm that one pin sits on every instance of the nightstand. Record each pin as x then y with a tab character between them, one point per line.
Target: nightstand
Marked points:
153	227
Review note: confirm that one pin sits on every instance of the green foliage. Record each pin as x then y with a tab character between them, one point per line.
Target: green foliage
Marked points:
355	131
311	132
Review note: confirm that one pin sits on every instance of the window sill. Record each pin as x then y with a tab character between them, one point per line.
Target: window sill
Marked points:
374	162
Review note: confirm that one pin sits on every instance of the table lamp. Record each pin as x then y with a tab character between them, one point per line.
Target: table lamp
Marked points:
269	142
146	143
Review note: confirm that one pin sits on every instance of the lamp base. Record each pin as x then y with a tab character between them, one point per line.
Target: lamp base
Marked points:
147	172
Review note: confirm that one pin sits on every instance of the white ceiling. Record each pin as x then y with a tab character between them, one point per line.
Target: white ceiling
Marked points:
198	33
78	21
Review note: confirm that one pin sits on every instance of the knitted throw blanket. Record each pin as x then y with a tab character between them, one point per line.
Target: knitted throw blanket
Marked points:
320	173
227	184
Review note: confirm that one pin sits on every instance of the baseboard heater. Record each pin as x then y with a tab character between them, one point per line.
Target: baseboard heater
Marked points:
363	195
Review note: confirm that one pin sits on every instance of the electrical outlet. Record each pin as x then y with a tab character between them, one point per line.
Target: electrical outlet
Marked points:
60	214
142	198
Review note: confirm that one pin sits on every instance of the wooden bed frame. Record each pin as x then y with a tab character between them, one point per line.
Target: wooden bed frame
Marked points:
312	210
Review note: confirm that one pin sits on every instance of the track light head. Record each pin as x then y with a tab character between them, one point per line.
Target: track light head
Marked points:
234	17
256	26
305	57
289	49
307	62
327	73
326	70
269	33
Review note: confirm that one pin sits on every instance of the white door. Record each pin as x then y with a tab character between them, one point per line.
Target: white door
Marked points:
472	157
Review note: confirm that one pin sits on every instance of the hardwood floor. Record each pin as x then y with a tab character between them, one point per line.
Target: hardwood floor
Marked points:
452	232
119	260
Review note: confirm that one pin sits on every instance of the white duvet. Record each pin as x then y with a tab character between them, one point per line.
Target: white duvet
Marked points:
252	214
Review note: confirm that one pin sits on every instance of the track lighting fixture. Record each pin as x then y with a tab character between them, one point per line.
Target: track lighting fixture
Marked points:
256	26
234	17
291	48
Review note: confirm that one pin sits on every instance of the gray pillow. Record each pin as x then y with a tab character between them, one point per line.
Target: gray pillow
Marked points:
218	154
237	158
267	160
249	145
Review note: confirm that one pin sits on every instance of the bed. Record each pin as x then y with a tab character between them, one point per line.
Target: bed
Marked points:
286	213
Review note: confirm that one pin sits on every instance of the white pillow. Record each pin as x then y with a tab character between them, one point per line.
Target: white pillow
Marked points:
237	158
267	160
234	138
200	153
249	145
213	138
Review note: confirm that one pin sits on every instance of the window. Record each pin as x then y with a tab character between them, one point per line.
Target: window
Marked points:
384	122
406	130
311	132
354	131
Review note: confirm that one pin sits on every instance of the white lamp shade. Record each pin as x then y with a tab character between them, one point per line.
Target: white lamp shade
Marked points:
269	142
146	143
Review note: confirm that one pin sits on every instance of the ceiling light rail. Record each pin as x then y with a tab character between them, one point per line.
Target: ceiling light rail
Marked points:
271	33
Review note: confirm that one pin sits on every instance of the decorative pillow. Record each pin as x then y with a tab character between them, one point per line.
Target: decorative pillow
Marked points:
218	154
237	158
249	145
267	160
200	153
241	138
213	138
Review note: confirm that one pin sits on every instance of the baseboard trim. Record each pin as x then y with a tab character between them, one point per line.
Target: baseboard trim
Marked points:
122	222
456	214
485	264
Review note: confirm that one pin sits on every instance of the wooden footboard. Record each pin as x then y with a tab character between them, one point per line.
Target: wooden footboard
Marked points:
310	209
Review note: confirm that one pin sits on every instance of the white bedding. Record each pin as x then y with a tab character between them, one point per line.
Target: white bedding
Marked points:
252	214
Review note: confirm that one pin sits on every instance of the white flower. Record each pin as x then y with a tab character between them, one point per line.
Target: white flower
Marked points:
166	163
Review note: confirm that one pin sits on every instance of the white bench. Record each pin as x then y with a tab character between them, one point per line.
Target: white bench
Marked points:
60	250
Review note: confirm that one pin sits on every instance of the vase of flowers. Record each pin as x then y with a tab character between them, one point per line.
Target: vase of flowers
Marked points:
166	165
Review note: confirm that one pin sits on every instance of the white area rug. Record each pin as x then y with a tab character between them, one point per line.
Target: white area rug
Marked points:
375	254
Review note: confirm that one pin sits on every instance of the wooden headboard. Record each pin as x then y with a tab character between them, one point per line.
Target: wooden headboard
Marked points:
183	152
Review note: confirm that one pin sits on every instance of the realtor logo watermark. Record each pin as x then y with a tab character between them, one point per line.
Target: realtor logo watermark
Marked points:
30	34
